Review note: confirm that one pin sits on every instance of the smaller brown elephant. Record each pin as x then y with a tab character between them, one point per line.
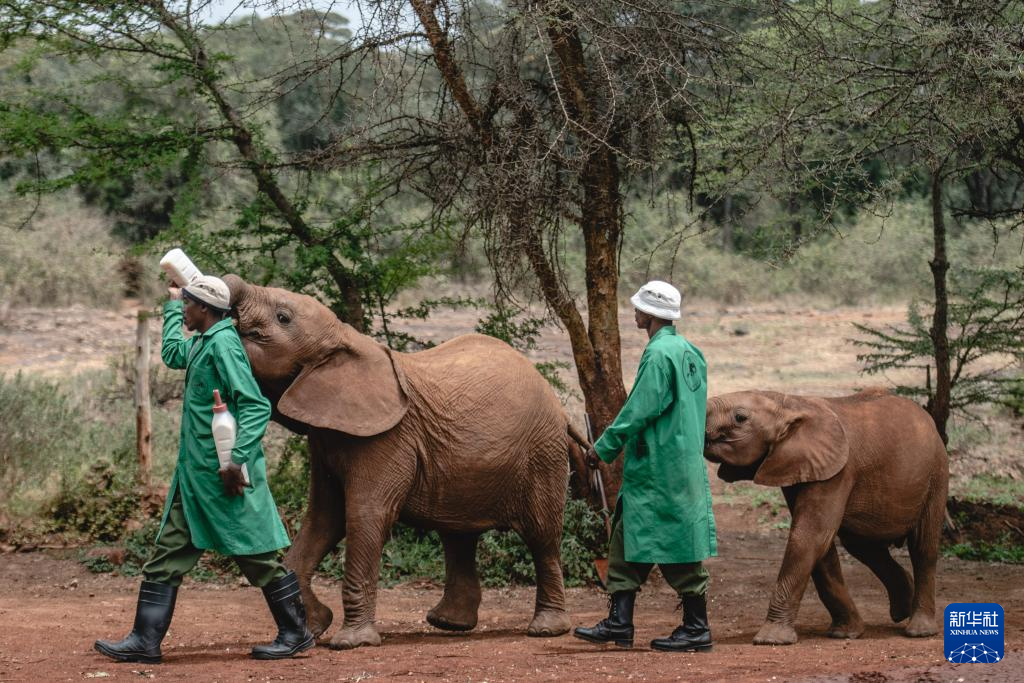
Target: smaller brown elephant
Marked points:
869	468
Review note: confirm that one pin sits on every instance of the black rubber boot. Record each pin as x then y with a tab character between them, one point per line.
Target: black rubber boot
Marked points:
152	617
694	635
285	602
618	627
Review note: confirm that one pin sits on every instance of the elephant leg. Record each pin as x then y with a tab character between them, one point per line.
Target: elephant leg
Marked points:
875	554
923	544
549	615
816	511
828	581
323	527
368	524
457	610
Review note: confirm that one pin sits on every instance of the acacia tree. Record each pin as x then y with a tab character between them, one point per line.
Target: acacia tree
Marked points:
926	90
528	120
160	52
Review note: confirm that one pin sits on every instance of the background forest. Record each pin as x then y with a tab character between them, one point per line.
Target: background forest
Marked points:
529	163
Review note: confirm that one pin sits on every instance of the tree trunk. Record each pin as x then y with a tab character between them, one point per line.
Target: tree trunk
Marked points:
940	401
595	343
143	418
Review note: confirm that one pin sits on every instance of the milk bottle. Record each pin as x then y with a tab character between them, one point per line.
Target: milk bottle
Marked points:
179	267
224	431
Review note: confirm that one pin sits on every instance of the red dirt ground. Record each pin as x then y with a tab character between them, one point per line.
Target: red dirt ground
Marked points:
51	610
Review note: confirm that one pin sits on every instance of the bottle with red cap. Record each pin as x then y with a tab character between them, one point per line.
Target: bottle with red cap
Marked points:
225	429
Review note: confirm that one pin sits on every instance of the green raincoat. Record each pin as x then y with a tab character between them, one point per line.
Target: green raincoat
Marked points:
665	499
232	525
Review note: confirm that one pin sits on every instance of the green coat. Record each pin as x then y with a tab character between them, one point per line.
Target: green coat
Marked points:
665	499
233	525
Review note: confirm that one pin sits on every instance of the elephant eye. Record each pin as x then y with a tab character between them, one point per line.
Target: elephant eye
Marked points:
283	318
740	418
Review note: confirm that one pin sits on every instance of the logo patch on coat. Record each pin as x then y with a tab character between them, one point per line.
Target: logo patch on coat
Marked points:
691	371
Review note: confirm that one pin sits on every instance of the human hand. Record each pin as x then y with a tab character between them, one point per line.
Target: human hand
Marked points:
233	480
174	291
592	458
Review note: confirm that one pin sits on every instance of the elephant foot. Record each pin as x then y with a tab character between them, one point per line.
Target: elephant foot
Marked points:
899	609
351	637
318	617
848	630
775	634
549	623
451	618
921	626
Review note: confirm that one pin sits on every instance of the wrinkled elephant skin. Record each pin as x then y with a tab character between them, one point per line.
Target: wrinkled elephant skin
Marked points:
460	438
868	468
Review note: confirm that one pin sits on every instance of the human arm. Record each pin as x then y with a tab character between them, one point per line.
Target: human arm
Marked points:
174	347
650	397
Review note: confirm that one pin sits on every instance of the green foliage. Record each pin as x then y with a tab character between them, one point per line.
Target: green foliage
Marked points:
1005	550
986	318
98	505
64	443
289	478
42	430
1013	396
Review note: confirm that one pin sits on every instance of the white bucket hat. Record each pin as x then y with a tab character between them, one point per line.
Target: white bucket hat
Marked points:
659	299
211	291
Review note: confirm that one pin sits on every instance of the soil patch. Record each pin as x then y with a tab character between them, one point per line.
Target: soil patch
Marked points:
985	523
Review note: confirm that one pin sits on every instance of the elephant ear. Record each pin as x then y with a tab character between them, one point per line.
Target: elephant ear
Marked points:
357	389
811	446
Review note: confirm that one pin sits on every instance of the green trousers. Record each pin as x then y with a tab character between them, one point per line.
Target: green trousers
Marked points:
688	578
175	555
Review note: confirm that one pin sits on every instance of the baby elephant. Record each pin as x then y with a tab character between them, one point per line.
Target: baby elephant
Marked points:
869	468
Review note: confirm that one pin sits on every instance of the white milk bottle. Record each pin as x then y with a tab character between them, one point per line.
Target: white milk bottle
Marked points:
179	267
224	431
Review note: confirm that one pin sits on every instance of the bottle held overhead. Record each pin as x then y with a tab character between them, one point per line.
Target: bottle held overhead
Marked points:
225	429
179	268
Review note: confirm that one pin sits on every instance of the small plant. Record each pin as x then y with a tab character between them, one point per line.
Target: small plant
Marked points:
1004	550
985	321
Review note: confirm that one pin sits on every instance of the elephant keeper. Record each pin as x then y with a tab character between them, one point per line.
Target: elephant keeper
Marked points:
663	513
209	508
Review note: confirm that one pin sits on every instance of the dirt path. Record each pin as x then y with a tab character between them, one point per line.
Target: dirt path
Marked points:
51	610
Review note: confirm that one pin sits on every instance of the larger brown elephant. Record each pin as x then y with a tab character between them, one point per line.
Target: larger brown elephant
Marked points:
869	468
461	438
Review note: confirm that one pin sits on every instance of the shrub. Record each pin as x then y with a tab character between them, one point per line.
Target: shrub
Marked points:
64	255
502	558
66	441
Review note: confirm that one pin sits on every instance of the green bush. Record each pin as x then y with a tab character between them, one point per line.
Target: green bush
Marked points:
1006	550
62	439
64	255
42	430
98	505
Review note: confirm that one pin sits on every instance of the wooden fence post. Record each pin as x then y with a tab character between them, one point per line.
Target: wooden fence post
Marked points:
143	417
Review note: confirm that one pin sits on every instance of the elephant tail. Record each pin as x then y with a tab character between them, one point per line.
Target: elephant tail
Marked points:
575	435
579	475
